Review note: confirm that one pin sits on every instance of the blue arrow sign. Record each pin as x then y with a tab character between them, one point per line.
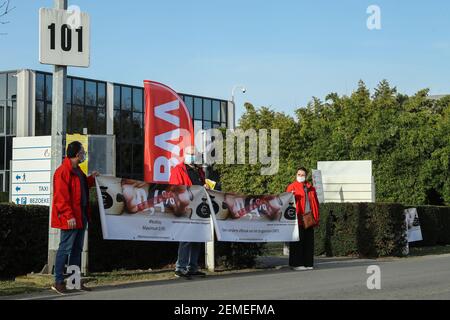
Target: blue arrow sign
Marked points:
18	189
18	177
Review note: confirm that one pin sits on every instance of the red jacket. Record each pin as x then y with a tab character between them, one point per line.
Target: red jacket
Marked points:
66	202
298	189
179	176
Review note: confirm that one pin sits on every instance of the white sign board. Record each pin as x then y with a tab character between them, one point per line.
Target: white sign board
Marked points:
64	37
318	185
31	174
347	181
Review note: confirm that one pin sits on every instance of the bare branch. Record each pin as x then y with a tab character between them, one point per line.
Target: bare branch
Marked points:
5	9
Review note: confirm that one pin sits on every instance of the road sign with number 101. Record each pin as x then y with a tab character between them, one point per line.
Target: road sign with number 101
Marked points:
64	38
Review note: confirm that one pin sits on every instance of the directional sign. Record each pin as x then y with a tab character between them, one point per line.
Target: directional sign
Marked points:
31	171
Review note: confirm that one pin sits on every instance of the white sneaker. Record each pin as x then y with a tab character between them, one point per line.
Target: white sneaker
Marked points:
300	268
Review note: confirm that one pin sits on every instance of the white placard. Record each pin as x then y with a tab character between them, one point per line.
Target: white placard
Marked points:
31	171
64	37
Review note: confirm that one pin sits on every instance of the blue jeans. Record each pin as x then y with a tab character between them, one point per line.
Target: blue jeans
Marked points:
70	246
188	253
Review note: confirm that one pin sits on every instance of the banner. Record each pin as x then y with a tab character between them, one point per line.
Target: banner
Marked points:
135	210
168	131
240	218
414	232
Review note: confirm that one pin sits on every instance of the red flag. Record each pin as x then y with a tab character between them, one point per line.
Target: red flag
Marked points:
168	131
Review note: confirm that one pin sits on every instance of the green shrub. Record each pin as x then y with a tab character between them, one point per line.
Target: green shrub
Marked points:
435	225
362	229
237	255
4	197
23	239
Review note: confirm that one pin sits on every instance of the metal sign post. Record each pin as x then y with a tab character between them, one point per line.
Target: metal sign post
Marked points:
58	133
64	40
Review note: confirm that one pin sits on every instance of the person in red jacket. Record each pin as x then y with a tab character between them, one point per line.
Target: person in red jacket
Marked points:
188	174
70	211
301	253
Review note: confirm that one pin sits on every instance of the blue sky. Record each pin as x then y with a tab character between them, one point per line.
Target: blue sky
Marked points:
285	52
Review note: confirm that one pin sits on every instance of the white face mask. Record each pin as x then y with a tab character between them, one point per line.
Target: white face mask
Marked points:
301	179
82	157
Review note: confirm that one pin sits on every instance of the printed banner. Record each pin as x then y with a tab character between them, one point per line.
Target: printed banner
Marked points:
240	218
168	131
135	210
85	142
414	232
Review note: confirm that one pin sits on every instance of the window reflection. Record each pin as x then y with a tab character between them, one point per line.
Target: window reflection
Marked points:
126	98
78	92
137	100
101	99
206	109
91	93
2	86
48	87
198	108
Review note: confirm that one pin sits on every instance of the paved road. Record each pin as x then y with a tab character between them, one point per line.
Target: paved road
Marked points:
412	278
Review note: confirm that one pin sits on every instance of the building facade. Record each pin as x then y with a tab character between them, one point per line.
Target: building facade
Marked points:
92	107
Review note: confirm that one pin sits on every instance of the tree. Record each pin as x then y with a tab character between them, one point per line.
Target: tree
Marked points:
5	9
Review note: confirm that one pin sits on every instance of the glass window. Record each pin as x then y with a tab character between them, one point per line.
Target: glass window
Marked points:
40	86
77	119
78	92
8	151
68	118
91	120
9	118
12	86
2	117
223	111
48	87
40	119
101	87
91	93
126	158
207	125
48	119
216	111
216	125
101	121
198	112
126	125
138	159
138	125
117	124
137	100
69	90
2	153
126	98
189	102
117	97
2	86
206	109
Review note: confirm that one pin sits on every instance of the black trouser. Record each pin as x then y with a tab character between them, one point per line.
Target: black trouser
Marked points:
301	253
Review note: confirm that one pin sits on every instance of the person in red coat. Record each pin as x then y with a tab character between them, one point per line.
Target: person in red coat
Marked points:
70	211
301	253
188	174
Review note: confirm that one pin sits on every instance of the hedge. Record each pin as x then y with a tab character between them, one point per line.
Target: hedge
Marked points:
4	197
360	229
23	239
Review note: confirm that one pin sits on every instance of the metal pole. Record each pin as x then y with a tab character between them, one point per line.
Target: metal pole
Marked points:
58	137
209	248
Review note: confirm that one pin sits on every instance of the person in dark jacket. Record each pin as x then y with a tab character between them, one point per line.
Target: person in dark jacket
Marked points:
70	211
301	253
188	174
